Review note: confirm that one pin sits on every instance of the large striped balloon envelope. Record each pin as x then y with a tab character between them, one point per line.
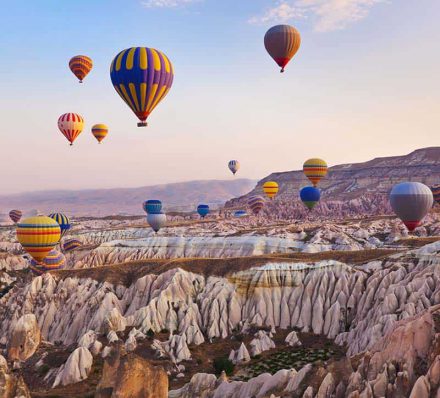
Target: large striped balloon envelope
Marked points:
256	203
99	131
436	193
270	188
53	261
62	220
71	125
142	77
315	169
282	42
80	65
152	206
38	236
71	244
15	215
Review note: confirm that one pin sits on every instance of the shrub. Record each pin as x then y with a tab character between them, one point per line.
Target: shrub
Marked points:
223	364
150	333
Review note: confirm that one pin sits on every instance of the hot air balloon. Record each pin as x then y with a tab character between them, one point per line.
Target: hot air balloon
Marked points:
38	236
15	215
157	220
152	206
256	203
310	196
315	169
71	244
270	188
240	213
53	261
99	131
234	165
282	42
203	210
80	65
62	220
142	77
411	202
436	193
71	125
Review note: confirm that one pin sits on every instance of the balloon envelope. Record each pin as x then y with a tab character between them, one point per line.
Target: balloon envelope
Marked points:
436	193
240	213
256	203
71	125
310	196
142	77
270	188
38	236
152	206
411	201
15	215
62	220
234	165
282	42
157	220
53	261
80	65
71	244
99	131
315	169
203	210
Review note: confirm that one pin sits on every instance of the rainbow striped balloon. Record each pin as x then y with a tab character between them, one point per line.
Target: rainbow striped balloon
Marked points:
99	131
38	236
15	215
270	188
256	203
315	169
71	244
53	261
142	77
62	220
80	65
436	193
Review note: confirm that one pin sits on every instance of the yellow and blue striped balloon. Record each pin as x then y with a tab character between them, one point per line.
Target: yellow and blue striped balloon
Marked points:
53	261
62	220
71	244
99	131
142	77
38	236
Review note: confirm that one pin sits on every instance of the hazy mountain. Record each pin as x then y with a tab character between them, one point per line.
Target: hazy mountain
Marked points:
177	196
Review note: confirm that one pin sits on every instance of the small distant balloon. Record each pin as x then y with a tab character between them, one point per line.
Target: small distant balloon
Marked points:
38	236
99	131
62	220
203	210
152	206
256	203
436	193
156	221
270	188
52	262
80	65
411	201
240	213
15	215
310	196
71	125
315	169
71	244
234	165
282	42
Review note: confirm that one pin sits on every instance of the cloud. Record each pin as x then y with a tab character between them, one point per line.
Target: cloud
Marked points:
166	3
327	15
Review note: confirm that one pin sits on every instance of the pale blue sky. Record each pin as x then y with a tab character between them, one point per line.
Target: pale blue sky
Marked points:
363	84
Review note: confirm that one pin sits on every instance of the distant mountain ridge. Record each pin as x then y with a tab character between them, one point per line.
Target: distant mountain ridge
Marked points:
183	196
351	189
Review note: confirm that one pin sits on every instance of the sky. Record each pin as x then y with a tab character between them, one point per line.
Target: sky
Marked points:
364	84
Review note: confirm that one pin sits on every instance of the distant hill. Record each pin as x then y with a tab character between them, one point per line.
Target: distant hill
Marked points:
357	188
101	202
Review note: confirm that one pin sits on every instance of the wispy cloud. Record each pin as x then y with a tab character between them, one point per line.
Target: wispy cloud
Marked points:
327	15
167	3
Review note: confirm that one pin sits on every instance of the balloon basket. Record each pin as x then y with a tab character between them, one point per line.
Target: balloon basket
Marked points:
142	124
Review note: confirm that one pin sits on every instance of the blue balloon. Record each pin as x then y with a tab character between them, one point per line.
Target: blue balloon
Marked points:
240	213
203	210
152	206
310	196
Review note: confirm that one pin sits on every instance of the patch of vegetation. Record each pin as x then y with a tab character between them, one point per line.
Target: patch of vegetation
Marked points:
223	364
43	369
